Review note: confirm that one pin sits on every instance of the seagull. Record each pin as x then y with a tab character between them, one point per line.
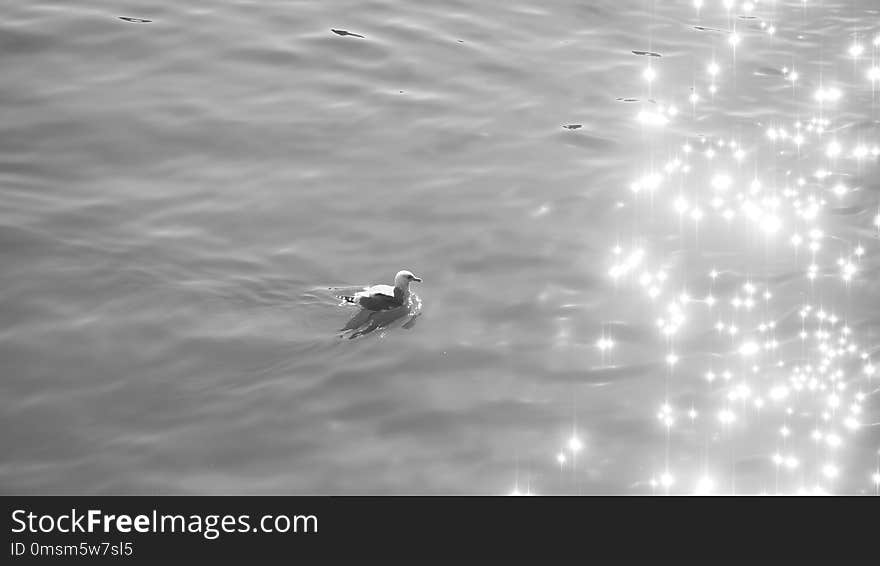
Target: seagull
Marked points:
380	297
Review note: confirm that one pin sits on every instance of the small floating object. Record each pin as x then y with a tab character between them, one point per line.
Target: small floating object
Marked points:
572	126
704	28
135	20
748	17
647	53
343	33
620	99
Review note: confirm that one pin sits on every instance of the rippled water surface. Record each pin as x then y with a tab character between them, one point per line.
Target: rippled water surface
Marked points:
179	193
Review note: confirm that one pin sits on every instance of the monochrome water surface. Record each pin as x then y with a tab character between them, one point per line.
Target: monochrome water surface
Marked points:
182	182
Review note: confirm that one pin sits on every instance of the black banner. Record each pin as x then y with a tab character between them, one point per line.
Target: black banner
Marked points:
152	529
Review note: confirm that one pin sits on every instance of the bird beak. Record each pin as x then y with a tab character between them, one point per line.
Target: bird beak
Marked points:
417	279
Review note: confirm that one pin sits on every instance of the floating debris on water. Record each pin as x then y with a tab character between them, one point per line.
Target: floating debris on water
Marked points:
135	20
704	28
647	53
572	126
343	33
619	99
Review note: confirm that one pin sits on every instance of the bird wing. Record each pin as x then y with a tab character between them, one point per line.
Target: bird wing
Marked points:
379	297
386	290
374	298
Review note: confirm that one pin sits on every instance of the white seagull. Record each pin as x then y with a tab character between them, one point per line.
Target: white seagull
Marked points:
380	297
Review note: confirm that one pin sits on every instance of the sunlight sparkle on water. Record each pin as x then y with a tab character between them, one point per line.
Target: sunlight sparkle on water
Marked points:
780	361
828	95
705	485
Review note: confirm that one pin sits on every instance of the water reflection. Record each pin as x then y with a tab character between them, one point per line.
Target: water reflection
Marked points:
366	321
156	233
800	376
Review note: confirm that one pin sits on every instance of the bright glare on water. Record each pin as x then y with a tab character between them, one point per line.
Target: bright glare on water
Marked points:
647	233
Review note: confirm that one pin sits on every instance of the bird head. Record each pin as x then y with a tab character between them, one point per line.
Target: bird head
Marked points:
404	278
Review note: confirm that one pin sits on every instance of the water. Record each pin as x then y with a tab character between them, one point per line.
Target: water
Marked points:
178	194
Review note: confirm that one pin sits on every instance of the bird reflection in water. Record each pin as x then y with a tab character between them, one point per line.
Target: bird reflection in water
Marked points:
366	321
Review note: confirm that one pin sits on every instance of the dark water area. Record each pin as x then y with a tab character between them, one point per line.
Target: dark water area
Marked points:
182	182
